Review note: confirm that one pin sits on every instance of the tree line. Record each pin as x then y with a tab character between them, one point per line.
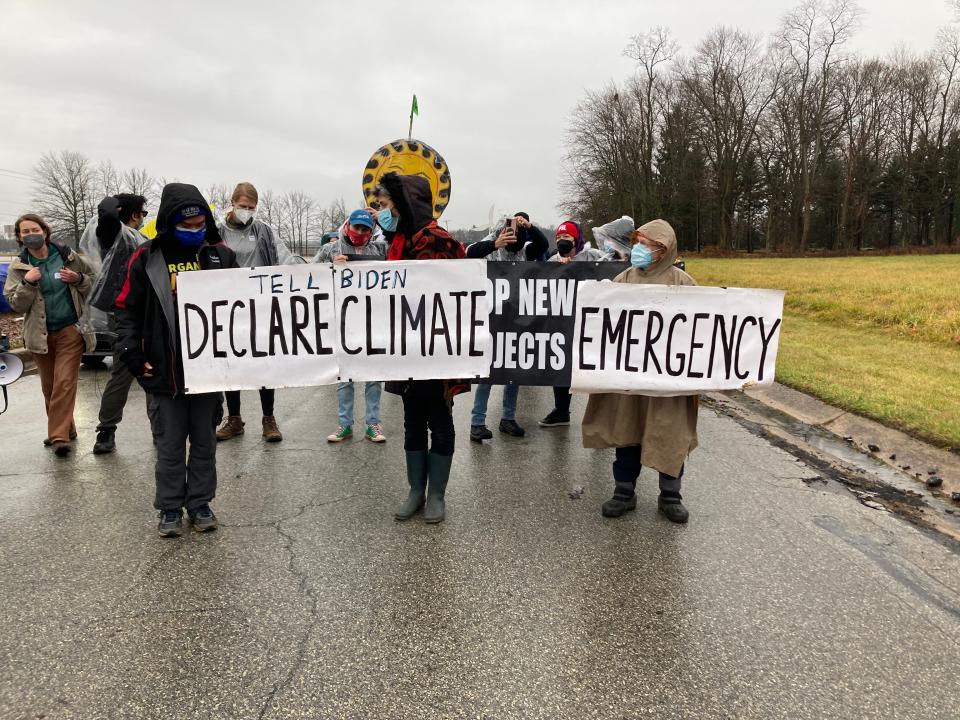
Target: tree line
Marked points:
791	144
67	186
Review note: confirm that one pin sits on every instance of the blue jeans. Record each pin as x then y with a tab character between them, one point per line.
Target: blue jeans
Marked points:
371	396
482	393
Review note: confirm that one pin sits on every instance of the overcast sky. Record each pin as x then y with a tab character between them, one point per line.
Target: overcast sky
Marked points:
297	94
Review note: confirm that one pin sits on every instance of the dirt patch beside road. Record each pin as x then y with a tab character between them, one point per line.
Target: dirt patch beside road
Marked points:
11	325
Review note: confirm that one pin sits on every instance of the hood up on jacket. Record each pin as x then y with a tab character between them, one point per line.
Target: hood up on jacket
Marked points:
616	236
175	197
414	200
661	233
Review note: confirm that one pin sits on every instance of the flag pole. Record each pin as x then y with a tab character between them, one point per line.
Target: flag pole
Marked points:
414	110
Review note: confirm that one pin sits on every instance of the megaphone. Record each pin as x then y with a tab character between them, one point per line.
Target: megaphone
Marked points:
11	368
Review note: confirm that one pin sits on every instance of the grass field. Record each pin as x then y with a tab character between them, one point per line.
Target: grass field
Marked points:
879	336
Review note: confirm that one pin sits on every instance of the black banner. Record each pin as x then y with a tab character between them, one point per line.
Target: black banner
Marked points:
533	317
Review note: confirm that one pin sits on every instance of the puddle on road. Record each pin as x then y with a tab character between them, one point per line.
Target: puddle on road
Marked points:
872	481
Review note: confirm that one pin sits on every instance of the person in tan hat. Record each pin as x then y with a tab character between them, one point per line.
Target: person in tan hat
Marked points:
656	431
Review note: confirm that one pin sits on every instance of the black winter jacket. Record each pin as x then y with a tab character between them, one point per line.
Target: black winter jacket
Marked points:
146	310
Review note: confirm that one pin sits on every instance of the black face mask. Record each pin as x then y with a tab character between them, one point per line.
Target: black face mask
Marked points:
564	247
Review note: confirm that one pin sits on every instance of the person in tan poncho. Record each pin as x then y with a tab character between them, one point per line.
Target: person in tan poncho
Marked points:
658	432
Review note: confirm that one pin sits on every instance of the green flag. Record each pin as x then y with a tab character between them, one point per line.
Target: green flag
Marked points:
414	110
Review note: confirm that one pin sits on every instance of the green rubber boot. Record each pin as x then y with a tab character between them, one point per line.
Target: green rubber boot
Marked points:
417	477
437	474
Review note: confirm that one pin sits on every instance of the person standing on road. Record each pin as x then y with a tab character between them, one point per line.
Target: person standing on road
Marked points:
119	219
656	431
187	241
48	285
571	247
358	239
256	245
412	233
518	240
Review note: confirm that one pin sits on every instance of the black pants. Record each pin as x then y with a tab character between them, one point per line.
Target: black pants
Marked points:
266	401
626	470
425	409
114	397
184	481
561	400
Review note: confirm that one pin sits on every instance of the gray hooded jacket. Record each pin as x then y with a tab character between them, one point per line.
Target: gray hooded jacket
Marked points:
255	244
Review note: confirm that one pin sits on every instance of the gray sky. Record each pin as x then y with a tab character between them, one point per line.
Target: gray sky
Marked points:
297	95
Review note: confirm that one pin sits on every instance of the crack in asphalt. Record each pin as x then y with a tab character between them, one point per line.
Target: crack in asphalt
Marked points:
288	540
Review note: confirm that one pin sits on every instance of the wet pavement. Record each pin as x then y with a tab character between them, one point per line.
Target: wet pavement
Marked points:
784	597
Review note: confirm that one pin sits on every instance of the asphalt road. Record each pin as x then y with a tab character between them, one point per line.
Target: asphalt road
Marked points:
783	597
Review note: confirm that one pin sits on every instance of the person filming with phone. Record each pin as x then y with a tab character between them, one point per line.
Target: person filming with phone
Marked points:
518	239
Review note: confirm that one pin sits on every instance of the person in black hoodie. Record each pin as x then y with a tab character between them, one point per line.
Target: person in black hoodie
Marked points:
149	338
412	233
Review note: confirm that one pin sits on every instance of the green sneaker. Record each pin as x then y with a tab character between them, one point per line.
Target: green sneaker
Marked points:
375	434
344	432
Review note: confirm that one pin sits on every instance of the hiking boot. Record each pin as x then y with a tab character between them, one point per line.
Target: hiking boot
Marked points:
61	448
344	432
510	427
417	478
672	508
203	518
375	434
171	523
271	431
105	443
479	433
232	427
438	473
618	506
555	419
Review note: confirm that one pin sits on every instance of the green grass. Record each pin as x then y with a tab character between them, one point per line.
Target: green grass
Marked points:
879	336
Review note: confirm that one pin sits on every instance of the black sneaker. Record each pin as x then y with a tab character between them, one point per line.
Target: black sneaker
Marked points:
479	433
203	518
672	508
555	419
105	443
171	523
510	427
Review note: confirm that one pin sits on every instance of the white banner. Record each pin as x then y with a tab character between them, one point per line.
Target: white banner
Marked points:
673	340
249	328
301	325
413	320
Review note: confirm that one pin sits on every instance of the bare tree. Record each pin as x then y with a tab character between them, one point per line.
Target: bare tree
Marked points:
336	214
729	82
139	182
64	192
218	195
108	179
811	38
650	88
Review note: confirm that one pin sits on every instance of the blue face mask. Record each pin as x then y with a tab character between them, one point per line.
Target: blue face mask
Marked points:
190	238
387	220
641	257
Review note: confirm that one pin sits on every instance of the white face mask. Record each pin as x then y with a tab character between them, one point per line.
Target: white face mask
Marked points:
242	215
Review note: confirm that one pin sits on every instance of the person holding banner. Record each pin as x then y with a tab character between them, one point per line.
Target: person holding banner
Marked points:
518	240
571	247
187	241
359	238
406	216
256	245
656	431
